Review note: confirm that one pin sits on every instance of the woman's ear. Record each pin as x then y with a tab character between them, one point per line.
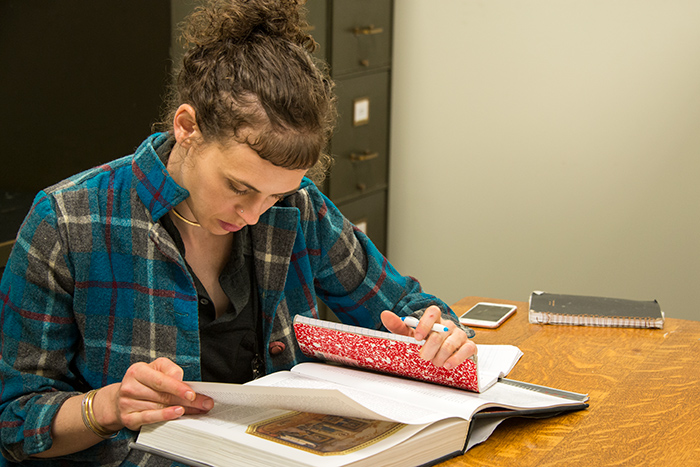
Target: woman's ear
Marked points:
185	125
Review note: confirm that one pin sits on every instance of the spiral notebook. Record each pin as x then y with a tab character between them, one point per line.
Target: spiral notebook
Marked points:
551	308
385	352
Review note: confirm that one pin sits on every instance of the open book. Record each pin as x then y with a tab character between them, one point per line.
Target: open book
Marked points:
324	415
399	355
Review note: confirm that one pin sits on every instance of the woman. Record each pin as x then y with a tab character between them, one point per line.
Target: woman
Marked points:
189	259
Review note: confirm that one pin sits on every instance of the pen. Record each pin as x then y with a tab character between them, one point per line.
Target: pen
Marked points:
413	322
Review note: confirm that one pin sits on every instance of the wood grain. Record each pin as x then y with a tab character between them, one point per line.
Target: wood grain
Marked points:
644	388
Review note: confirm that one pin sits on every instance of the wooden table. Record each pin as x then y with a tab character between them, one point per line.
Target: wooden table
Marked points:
644	388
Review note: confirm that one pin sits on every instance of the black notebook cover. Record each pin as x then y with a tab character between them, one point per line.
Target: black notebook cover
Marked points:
550	308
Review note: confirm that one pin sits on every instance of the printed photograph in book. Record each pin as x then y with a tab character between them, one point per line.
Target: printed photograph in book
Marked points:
326	435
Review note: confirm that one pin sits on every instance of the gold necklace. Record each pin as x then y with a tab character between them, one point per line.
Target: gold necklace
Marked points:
186	221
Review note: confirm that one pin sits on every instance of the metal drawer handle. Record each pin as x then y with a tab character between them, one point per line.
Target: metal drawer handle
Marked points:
366	156
368	31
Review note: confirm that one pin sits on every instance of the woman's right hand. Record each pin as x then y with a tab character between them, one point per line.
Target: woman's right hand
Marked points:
149	393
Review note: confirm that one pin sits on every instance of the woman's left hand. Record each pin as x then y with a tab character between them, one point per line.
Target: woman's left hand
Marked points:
443	349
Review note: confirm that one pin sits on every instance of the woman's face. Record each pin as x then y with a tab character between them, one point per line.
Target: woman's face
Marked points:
230	187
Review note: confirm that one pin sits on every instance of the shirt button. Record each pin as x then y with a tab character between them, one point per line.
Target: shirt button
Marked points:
276	348
204	301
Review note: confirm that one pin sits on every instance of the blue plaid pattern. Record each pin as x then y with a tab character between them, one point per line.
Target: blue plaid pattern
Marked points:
95	284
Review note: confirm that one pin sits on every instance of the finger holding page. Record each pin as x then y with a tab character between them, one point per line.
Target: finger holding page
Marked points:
448	349
155	392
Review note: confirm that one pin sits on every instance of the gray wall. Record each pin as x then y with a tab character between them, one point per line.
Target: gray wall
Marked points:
548	145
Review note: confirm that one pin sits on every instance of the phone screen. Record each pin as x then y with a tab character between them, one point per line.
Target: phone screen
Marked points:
487	312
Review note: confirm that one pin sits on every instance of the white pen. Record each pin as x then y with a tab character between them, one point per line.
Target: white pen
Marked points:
413	322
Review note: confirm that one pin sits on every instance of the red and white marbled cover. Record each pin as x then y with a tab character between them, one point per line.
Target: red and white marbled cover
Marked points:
381	354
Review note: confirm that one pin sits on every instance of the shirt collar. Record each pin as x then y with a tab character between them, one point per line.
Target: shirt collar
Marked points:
154	185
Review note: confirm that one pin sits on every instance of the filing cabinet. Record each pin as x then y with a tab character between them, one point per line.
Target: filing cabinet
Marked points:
357	38
317	17
368	213
361	32
356	42
360	150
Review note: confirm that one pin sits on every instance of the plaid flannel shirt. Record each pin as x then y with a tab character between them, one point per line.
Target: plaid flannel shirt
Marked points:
95	284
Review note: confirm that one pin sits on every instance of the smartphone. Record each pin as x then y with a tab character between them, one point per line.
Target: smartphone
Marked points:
487	315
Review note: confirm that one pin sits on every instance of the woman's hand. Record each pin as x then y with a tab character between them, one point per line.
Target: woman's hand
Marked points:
443	349
149	393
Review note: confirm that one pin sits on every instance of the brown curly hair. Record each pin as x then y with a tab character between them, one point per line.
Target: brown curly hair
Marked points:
249	74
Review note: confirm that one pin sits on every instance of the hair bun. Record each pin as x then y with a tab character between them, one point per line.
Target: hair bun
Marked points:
240	20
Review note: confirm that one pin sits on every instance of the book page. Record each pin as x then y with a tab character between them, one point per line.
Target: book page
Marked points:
386	408
495	361
407	394
439	399
332	389
325	398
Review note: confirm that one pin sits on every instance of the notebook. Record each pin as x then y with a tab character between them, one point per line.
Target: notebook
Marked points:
552	308
399	355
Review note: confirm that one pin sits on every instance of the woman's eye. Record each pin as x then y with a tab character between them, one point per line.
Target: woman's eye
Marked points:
236	190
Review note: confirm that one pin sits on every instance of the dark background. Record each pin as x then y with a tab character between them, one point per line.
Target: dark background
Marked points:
81	83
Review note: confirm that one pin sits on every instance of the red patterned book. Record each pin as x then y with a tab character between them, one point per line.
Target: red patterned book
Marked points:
385	352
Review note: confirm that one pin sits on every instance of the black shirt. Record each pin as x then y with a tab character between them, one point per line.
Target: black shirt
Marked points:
230	345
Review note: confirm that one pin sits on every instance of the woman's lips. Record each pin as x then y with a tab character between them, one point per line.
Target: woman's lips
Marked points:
229	227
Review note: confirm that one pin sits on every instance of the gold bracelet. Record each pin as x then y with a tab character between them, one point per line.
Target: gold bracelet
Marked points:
89	417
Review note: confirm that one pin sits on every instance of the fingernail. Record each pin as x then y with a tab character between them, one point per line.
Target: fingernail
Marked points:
208	404
448	366
179	411
190	396
418	336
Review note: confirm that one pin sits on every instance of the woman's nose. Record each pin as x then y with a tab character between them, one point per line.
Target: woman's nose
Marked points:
251	212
